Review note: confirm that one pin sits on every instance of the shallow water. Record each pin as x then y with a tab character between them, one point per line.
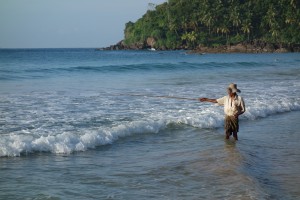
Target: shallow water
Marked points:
174	164
83	124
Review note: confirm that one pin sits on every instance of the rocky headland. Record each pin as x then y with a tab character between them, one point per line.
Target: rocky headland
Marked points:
255	46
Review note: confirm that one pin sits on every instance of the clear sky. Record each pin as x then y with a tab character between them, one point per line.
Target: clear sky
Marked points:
66	23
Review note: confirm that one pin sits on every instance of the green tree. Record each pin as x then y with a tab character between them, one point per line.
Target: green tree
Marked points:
190	38
193	22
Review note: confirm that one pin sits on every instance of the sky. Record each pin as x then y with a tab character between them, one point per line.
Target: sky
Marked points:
67	23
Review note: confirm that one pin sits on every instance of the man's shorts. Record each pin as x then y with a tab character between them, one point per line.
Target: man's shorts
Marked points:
231	124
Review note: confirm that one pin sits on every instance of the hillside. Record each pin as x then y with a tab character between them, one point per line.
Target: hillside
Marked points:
216	24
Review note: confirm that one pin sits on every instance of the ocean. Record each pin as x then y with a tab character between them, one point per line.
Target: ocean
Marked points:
86	124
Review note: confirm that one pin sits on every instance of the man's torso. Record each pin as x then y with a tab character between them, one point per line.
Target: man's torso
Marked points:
232	106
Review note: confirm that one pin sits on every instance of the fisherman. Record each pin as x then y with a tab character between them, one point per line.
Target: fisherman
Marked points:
234	106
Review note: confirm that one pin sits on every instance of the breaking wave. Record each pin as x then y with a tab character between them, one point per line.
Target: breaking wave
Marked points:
67	142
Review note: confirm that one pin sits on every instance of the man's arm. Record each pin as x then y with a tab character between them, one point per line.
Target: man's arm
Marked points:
243	107
208	100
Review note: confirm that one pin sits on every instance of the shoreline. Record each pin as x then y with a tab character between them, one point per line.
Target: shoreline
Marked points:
244	47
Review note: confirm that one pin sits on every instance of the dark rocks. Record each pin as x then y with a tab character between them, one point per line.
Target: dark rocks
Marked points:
248	47
137	46
151	42
255	46
119	46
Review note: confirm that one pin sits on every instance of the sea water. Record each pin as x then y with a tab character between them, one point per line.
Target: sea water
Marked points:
86	124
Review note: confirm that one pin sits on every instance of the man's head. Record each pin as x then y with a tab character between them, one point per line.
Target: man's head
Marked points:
232	89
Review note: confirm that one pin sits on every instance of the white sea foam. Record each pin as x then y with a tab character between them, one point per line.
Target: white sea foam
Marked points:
66	142
15	144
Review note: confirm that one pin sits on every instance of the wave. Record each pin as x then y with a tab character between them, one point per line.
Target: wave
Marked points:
143	67
67	142
155	66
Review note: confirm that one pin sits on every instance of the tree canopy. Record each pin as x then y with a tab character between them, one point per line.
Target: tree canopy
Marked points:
178	24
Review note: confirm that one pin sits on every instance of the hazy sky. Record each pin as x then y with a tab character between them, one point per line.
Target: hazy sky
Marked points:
66	23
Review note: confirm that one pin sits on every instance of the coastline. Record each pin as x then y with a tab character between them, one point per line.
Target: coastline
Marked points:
217	27
243	47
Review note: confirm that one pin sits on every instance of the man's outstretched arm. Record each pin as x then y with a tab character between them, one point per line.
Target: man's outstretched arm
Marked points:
208	100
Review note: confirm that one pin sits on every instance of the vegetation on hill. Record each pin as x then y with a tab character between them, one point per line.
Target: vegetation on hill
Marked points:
179	24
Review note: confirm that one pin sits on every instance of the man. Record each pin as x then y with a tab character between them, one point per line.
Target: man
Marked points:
234	106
